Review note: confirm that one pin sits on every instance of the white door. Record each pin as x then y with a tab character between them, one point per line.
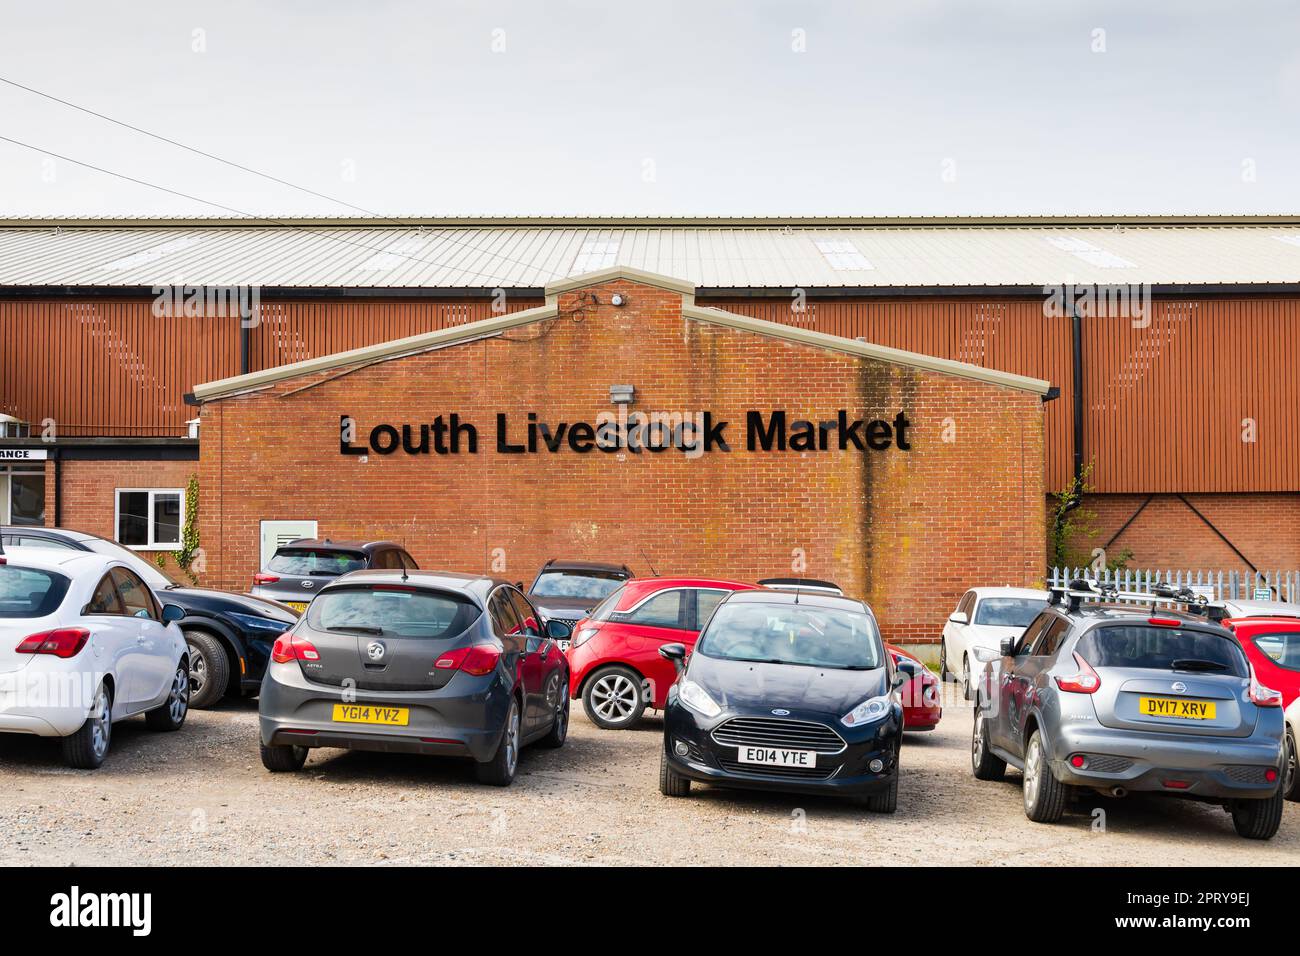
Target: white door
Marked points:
151	666
113	644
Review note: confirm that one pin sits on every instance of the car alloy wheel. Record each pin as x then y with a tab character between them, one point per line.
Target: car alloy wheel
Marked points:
178	701
1289	771
965	677
1033	771
615	697
101	724
511	743
198	673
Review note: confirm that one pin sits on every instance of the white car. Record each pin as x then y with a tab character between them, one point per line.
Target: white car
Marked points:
1290	780
84	643
983	617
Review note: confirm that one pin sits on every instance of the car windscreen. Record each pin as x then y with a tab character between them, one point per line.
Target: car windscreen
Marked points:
315	561
1151	647
792	634
1008	612
30	592
591	585
397	611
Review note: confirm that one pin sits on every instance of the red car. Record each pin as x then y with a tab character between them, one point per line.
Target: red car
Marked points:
1273	646
614	662
921	705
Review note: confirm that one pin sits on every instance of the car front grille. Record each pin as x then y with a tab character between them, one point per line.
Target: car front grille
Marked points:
779	733
1107	764
1246	774
768	770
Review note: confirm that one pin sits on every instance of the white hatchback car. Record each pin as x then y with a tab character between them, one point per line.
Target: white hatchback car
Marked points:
983	617
84	643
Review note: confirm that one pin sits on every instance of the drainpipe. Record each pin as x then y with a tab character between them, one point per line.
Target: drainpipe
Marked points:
1076	348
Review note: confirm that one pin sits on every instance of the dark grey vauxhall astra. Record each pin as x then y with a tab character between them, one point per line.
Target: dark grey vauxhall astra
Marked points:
416	662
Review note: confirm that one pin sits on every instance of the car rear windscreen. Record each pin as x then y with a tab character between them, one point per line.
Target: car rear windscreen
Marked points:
1008	612
589	585
309	561
392	610
792	634
30	592
1164	649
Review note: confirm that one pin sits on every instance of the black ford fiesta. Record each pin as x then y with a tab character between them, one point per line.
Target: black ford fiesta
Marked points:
786	691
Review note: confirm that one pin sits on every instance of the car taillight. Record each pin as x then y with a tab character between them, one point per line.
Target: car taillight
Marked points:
583	634
61	642
1262	696
1164	621
477	659
287	648
260	578
1084	682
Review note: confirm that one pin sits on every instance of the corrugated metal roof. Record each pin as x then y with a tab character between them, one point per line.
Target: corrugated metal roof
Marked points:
724	254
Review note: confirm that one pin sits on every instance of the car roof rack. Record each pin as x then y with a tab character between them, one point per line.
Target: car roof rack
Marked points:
1161	593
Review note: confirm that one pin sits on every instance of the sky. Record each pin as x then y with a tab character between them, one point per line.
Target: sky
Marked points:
796	107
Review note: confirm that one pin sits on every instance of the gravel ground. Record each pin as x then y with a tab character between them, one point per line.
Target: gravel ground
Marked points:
202	796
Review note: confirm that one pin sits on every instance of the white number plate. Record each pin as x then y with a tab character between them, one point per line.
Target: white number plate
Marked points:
776	757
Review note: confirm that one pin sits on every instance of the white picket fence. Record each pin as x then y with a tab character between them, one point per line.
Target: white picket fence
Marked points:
1217	585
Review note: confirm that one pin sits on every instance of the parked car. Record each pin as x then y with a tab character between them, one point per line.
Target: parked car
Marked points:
1124	697
614	658
299	569
922	707
984	618
229	634
785	691
434	663
83	644
1291	778
568	590
1273	646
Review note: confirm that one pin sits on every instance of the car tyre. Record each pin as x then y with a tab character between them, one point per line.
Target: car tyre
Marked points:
944	674
170	715
966	689
500	770
1258	819
612	697
209	669
86	748
1045	796
559	731
985	764
1290	776
672	783
283	758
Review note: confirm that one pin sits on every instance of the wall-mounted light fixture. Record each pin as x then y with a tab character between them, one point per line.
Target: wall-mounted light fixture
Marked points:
618	300
622	394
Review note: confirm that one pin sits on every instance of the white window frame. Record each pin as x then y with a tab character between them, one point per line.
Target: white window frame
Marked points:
6	489
153	493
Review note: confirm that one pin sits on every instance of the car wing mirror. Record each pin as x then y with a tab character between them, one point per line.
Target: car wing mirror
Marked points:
959	617
1008	647
172	612
558	630
675	653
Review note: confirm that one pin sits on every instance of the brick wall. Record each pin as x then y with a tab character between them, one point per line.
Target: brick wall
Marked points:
909	530
89	490
1168	535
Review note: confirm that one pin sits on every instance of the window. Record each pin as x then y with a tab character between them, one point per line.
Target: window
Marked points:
706	602
321	562
29	592
526	614
662	610
36	541
1008	612
1036	627
1163	649
408	614
105	600
1282	649
136	598
150	518
1046	645
793	634
967	604
504	619
22	497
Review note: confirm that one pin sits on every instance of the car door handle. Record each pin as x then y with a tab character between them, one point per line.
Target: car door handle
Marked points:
140	638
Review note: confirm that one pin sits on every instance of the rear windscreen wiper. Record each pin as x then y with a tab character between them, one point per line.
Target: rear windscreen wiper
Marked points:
1195	664
356	629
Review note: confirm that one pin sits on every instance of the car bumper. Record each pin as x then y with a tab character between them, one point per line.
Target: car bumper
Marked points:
921	707
48	698
465	718
850	775
1198	766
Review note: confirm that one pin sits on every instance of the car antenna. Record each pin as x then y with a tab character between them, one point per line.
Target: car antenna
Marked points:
648	564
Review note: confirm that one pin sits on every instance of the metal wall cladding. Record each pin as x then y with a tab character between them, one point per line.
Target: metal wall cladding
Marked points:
1202	395
1199	395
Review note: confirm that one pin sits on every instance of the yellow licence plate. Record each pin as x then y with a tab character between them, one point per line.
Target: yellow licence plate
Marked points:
298	606
1176	707
370	714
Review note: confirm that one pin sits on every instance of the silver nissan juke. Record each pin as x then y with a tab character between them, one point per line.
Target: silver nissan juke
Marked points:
416	662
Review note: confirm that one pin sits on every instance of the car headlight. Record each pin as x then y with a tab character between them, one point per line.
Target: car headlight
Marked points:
867	711
697	698
582	635
268	625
